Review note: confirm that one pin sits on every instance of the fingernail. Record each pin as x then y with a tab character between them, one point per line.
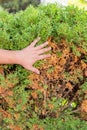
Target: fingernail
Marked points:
47	42
49	55
38	72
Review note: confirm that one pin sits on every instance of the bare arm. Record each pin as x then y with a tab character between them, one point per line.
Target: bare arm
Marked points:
25	57
8	57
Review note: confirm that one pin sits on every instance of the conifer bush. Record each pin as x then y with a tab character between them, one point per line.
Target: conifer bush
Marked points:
19	102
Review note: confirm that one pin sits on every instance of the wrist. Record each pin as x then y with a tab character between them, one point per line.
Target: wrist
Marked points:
17	57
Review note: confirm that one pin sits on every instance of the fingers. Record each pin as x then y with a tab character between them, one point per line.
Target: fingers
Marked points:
44	50
34	70
35	41
44	56
42	46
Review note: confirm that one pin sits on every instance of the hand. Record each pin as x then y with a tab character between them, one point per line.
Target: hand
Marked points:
31	54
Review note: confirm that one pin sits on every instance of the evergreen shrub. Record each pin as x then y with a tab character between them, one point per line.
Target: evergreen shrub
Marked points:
18	31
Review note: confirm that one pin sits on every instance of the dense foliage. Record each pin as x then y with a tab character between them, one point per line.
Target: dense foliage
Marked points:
22	105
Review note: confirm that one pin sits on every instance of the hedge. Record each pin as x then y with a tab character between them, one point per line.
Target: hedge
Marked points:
18	31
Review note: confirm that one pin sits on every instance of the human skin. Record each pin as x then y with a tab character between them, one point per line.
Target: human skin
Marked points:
27	56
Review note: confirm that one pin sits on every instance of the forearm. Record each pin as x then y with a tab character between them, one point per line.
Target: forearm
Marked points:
8	57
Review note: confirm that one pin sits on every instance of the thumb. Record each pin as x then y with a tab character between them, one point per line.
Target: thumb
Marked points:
33	69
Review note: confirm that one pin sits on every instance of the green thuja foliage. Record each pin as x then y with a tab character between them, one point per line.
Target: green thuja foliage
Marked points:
67	123
19	30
